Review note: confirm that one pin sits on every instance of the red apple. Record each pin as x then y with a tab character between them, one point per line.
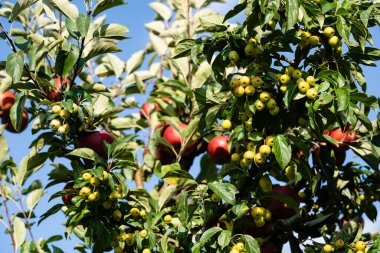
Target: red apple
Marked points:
217	150
67	197
269	247
340	136
340	156
280	209
55	94
164	157
95	141
7	120
171	135
344	222
7	99
146	109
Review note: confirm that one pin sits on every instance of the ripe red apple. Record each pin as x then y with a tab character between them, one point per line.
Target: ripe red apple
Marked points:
164	157
340	156
7	99
146	109
95	141
346	136
280	209
171	135
217	150
7	120
55	94
67	197
344	222
269	247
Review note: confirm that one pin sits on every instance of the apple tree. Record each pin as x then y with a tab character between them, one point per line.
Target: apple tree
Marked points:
266	109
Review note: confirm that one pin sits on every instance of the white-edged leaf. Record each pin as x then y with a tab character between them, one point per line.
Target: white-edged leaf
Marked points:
225	191
14	65
135	61
117	65
22	169
19	7
159	45
105	5
164	11
85	153
66	8
111	31
19	231
166	194
33	198
282	150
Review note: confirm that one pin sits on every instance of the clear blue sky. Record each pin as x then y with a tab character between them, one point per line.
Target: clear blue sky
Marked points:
133	15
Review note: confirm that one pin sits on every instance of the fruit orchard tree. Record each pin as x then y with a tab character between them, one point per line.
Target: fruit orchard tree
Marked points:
271	106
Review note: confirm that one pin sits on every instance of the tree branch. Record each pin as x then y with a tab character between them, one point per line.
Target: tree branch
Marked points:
2	192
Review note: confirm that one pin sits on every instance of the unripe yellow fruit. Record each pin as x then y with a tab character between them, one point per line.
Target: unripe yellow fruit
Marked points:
239	91
271	103
267	215
56	109
278	77
94	181
75	108
87	176
257	211
118	250
269	140
327	248
360	245
289	70
249	50
265	150
252	41
274	111
105	175
239	246
310	80
259	158
329	32
339	243
215	198
55	124
235	83
144	233
249	90
257	81
146	251
283	88
264	96
233	56
334	41
226	124
134	212
297	74
64	129
235	157
305	36
168	218
265	184
117	214
285	79
85	191
106	205
313	40
92	197
259	221
303	87
244	81
260	105
311	93
249	155
64	114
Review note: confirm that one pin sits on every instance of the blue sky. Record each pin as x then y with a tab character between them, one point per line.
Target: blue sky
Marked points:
133	15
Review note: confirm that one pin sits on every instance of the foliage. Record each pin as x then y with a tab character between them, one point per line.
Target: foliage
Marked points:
276	100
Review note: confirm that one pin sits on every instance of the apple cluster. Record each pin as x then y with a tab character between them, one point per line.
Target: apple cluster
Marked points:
7	100
62	114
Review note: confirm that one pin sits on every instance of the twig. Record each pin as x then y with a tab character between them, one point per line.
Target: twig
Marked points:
77	64
2	188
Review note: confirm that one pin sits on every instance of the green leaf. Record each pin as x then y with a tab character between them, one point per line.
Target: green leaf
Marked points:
224	238
15	65
19	7
367	152
162	10
183	48
183	209
205	238
135	61
111	31
16	112
83	23
251	245
3	148
282	150
102	47
19	231
344	28
166	195
213	23
85	153
66	8
105	5
292	7
22	170
33	198
343	97
225	191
